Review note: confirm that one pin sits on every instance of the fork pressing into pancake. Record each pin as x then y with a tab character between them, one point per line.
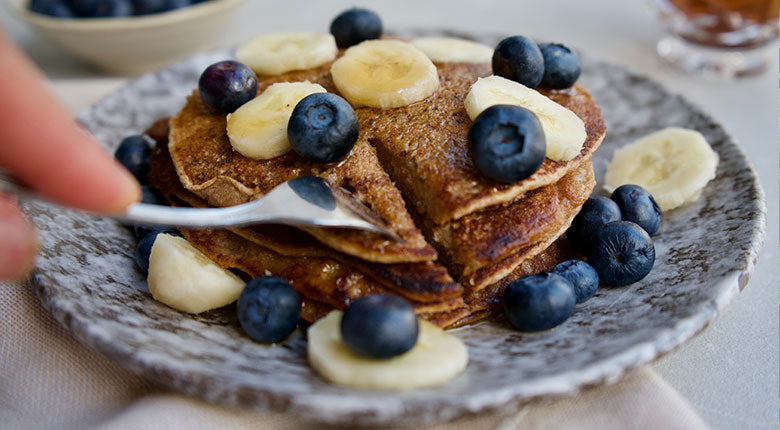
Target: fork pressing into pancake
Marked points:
304	201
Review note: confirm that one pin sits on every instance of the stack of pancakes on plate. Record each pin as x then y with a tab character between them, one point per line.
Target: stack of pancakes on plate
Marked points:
463	237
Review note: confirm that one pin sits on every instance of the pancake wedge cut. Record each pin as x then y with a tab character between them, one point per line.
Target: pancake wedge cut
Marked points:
425	148
424	282
486	246
313	278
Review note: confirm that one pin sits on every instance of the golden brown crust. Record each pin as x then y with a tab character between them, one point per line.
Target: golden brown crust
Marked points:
423	281
208	167
490	296
322	282
485	246
424	147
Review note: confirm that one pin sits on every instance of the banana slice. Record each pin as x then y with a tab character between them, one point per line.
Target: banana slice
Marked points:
436	358
564	131
384	74
181	277
277	53
673	164
258	129
453	50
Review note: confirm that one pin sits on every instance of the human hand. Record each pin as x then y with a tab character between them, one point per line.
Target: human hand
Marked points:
41	145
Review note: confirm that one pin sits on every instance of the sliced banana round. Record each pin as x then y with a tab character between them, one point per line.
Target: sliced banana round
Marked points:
673	164
453	50
564	131
436	358
183	278
384	74
258	129
277	53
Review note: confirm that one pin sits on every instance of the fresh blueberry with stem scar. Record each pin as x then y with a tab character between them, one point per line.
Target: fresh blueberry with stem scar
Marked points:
507	143
622	253
581	275
518	58
226	85
561	66
354	26
539	302
133	153
323	127
268	309
379	326
637	205
595	214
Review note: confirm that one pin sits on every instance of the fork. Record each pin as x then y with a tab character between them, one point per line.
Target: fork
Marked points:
306	201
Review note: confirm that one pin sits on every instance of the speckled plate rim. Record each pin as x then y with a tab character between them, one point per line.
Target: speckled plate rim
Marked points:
330	410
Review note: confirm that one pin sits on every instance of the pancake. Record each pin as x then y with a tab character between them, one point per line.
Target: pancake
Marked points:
490	297
409	164
324	284
327	280
423	281
483	247
424	147
208	167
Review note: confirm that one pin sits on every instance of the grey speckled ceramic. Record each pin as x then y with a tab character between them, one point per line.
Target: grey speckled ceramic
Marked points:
705	253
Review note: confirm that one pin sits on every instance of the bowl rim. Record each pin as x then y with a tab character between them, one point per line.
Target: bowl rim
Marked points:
20	9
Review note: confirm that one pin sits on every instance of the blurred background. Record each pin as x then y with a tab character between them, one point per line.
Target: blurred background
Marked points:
729	373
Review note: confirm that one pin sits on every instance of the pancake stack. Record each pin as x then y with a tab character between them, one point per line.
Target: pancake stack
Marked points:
462	237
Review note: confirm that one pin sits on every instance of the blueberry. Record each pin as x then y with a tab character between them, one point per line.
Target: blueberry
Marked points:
623	253
144	248
268	309
146	7
595	214
379	326
561	66
581	275
354	26
637	205
518	58
539	302
134	153
507	143
323	127
226	85
141	231
55	8
102	8
149	196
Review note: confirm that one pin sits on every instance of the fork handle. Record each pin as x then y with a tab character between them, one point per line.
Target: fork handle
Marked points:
144	213
148	214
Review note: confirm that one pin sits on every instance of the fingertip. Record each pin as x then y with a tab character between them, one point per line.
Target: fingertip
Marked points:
18	242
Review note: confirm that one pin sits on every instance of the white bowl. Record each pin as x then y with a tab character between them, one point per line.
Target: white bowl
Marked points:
134	45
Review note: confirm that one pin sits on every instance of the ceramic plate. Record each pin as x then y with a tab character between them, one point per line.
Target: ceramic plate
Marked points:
705	252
